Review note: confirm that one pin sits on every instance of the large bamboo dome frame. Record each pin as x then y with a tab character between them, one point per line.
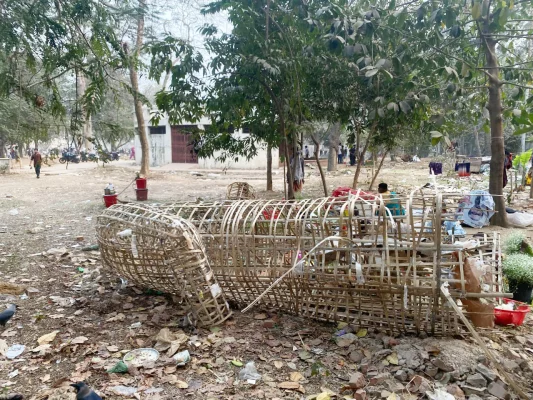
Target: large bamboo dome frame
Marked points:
162	253
343	259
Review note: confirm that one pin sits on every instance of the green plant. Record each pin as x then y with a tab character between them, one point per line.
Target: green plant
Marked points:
516	243
518	268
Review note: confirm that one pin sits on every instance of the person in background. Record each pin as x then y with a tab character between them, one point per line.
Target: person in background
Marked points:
344	153
339	154
132	153
390	199
37	160
352	156
306	152
507	164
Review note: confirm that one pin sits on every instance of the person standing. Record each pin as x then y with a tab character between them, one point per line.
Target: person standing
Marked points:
352	156
37	160
306	152
339	154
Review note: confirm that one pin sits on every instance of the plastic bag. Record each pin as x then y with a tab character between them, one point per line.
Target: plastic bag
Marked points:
520	219
476	209
249	373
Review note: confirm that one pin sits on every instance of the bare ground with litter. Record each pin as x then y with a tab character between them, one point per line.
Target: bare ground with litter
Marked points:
97	321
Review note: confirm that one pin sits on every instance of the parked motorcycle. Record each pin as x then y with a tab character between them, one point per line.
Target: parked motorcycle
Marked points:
88	156
114	156
69	157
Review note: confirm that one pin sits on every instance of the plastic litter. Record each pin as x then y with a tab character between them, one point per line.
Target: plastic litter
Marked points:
124	390
15	351
454	228
119	368
440	394
520	219
249	373
476	209
182	358
140	357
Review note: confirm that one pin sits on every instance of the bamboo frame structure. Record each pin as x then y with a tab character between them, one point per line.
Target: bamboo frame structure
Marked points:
240	191
343	259
161	253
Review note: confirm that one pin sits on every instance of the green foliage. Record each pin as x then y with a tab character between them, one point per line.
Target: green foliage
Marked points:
517	243
522	159
518	268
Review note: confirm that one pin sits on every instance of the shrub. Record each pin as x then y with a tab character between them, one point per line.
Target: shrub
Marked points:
518	268
516	243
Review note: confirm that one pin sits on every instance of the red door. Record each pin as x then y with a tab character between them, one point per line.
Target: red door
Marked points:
182	148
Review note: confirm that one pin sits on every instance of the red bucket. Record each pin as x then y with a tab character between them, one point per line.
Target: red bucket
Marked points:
110	199
511	317
141	183
142	194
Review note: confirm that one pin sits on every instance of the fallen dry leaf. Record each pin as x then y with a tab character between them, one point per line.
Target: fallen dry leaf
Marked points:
296	376
289	385
278	364
182	385
48	338
112	348
45	378
260	316
3	346
79	340
393	359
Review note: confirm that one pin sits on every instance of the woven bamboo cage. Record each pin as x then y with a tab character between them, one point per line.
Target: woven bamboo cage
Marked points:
240	191
162	253
347	259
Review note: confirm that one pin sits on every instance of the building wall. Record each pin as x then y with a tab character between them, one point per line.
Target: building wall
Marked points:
161	150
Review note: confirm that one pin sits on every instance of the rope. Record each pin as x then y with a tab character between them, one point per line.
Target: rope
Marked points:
122	201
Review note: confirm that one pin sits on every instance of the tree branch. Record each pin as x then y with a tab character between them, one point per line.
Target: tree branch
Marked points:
516	84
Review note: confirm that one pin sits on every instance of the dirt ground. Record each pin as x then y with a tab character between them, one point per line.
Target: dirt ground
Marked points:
93	320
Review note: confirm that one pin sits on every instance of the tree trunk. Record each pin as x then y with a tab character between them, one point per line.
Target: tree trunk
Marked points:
290	180
477	146
496	130
269	168
87	129
334	142
317	158
361	159
134	78
377	171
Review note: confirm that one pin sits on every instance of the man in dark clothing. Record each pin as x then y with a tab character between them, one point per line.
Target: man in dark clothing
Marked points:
352	156
37	160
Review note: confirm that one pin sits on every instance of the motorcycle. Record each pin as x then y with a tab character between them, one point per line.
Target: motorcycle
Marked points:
69	157
114	156
88	156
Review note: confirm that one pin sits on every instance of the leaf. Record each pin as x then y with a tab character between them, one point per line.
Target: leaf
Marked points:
504	16
237	363
371	72
260	316
278	364
305	355
48	338
3	347
476	10
521	131
182	384
362	333
296	376
436	137
381	112
392	359
405	107
517	112
289	385
79	340
323	396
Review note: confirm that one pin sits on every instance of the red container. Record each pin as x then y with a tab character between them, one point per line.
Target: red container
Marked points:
141	183
142	194
511	317
110	199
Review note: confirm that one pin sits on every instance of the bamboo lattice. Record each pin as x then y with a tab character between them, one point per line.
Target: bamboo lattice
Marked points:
343	259
240	191
162	253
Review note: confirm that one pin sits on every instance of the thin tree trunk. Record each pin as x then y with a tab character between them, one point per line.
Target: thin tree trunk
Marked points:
334	143
290	179
134	78
377	172
269	168
87	129
360	161
477	146
317	158
496	130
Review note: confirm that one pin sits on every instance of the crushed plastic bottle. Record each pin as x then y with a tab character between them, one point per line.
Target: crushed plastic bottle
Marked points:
249	373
